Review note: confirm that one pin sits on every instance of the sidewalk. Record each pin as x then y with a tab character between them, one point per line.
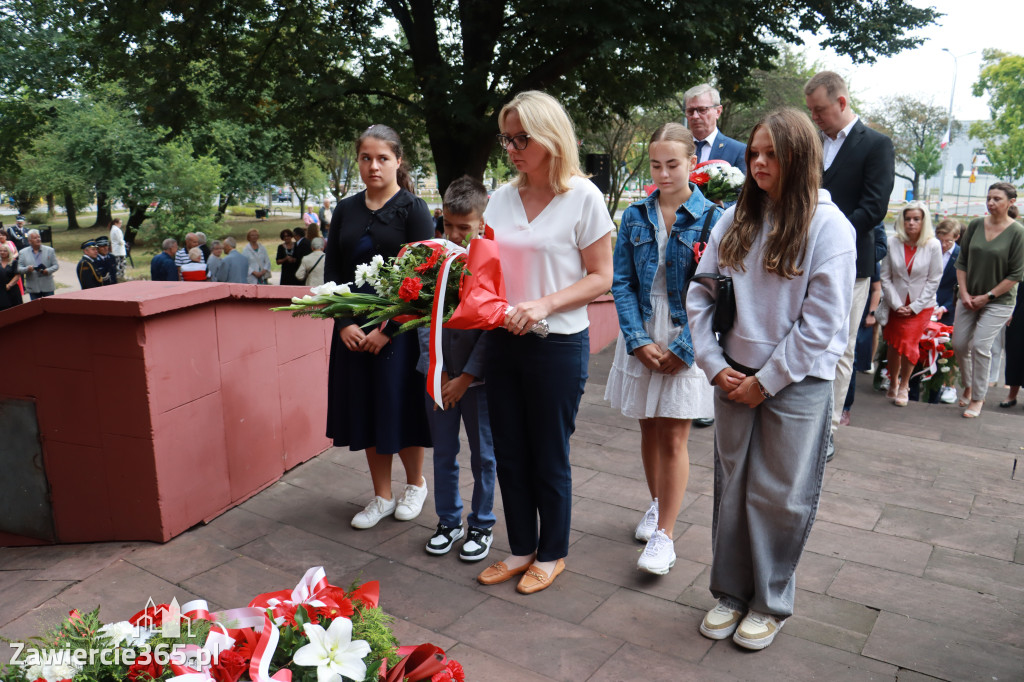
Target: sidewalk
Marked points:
914	569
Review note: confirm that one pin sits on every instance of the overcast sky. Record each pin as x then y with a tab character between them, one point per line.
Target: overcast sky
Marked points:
927	72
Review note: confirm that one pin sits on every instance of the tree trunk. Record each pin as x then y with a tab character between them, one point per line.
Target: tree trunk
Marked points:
51	207
136	214
102	210
222	206
25	202
69	205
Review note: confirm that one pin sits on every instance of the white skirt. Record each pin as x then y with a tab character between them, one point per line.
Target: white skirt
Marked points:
642	394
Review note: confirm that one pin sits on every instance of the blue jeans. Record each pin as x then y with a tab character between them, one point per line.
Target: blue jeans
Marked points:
444	430
534	387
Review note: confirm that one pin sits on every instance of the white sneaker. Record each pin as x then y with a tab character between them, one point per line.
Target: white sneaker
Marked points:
720	622
648	524
659	554
757	630
411	502
374	512
947	395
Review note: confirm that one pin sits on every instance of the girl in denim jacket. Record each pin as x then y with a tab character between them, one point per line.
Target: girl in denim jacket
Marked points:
653	377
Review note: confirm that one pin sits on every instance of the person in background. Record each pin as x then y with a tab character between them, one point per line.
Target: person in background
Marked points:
374	393
258	258
18	233
181	258
310	217
785	242
10	294
325	213
1014	354
236	266
90	273
302	239
703	106
554	235
287	258
910	276
947	232
438	223
653	377
201	238
215	263
163	268
105	261
463	399
7	245
311	269
36	265
989	268
118	248
195	269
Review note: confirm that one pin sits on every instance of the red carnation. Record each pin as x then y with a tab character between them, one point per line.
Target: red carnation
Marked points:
141	672
429	263
410	289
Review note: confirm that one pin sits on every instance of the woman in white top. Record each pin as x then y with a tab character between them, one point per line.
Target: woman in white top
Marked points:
118	246
259	259
791	255
911	271
554	234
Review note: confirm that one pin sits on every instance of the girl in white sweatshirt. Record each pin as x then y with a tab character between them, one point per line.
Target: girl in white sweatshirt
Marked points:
791	255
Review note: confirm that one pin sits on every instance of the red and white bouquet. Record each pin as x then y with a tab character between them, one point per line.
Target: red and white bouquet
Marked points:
311	633
718	180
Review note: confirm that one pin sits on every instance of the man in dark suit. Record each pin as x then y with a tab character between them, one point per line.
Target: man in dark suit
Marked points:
860	169
703	107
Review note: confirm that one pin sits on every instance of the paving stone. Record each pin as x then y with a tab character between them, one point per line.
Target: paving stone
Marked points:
694	544
571	598
699	511
65	562
815	572
237	582
607	459
847	510
902	492
43	618
596	432
121	590
627	492
987	537
479	665
615	562
235	527
411	634
326	478
993	507
663	626
20	592
947	653
606	519
544	645
295	551
189	555
898	554
962	481
1002	579
929	601
907	675
630	658
835	622
794	658
1018	556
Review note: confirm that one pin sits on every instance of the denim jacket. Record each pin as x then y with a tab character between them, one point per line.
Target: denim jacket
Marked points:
636	261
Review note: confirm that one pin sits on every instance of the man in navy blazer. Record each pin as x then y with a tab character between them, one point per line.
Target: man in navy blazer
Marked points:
703	107
859	173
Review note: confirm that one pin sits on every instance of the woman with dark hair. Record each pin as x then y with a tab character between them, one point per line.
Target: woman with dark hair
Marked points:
374	393
990	265
653	377
910	277
791	255
287	258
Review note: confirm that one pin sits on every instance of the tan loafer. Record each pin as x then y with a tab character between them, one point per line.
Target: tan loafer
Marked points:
535	580
498	573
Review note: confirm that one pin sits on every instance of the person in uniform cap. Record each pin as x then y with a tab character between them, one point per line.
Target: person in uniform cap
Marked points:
106	264
18	234
89	274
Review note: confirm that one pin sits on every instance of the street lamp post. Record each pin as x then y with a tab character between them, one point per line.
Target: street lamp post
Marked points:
949	128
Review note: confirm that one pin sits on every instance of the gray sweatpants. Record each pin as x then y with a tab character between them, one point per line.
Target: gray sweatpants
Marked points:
769	465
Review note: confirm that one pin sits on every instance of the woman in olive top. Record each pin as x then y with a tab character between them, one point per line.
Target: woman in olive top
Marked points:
990	265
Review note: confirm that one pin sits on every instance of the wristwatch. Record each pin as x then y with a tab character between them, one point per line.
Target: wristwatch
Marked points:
991	296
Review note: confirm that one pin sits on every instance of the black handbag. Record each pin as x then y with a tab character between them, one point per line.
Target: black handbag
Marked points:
700	245
725	302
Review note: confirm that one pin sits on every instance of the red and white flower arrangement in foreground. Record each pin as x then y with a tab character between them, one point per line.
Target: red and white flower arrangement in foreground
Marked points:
316	632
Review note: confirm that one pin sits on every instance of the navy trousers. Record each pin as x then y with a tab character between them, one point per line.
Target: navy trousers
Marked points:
534	387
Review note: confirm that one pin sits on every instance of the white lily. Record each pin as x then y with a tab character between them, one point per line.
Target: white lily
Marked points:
333	652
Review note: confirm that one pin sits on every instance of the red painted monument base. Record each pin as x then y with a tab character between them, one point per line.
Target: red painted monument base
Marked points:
163	404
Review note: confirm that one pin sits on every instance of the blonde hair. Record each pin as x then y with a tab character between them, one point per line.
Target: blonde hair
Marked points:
547	124
195	254
927	231
675	132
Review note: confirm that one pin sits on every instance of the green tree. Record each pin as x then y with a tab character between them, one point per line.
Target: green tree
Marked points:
450	65
306	177
1002	77
186	187
916	129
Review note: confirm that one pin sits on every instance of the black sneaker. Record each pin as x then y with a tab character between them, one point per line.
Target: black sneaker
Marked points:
443	539
477	544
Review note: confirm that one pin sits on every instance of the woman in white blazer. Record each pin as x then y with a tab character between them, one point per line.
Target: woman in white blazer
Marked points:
910	277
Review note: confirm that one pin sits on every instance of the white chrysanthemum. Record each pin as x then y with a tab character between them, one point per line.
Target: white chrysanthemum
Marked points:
122	633
52	672
363	272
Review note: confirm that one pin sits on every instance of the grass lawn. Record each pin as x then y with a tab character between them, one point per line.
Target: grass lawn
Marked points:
67	243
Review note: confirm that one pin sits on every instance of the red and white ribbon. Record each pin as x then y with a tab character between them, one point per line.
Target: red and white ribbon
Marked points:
454	252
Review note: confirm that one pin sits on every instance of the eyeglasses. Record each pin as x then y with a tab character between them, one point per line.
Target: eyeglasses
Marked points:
518	142
700	111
